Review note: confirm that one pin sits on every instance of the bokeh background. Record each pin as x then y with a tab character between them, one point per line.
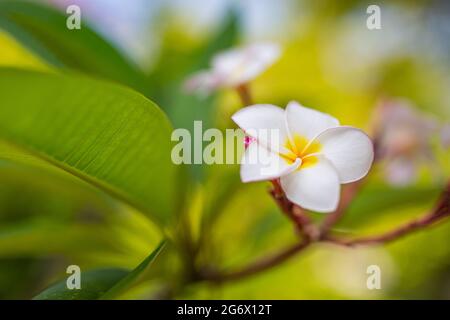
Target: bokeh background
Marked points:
330	61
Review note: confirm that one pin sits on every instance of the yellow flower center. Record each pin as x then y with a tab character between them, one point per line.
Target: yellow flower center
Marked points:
300	147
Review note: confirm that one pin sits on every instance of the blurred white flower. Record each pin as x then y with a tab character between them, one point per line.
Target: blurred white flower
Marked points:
234	67
404	139
312	154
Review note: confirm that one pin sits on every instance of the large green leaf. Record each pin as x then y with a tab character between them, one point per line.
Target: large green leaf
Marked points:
127	281
93	284
100	283
102	133
43	30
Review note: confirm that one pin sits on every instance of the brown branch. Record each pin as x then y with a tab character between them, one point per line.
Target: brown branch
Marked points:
303	225
244	94
295	213
283	203
257	266
440	212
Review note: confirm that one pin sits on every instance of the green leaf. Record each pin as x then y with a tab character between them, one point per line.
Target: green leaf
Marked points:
102	133
127	281
100	283
43	30
93	284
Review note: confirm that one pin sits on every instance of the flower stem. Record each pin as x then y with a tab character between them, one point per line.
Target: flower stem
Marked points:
244	94
295	213
259	265
441	211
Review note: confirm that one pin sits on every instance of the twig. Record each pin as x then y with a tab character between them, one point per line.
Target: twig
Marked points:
293	212
259	265
440	212
244	94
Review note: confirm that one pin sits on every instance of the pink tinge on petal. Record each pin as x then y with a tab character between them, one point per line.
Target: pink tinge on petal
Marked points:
248	140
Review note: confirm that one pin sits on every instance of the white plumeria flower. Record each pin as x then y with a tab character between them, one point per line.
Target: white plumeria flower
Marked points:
235	67
311	156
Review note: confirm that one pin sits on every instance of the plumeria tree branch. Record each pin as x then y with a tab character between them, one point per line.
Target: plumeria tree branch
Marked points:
439	213
260	265
295	213
243	91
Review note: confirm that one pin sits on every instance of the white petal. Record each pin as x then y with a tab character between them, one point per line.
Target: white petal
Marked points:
259	164
350	151
314	188
238	66
307	122
264	122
